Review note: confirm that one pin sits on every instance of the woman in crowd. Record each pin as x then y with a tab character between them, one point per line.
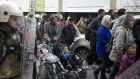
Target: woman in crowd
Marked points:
122	35
103	34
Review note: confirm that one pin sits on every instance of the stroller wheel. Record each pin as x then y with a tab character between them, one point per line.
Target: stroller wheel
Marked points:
61	76
72	76
82	73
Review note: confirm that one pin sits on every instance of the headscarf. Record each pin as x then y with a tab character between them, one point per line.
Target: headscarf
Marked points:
105	21
123	21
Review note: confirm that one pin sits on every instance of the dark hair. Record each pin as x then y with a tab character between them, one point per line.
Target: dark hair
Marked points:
44	33
71	19
127	45
86	18
110	11
52	18
45	17
100	11
121	11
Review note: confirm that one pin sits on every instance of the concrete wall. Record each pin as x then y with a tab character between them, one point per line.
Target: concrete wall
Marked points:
51	5
130	5
85	5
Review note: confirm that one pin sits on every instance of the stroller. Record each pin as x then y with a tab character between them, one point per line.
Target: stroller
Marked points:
46	64
73	74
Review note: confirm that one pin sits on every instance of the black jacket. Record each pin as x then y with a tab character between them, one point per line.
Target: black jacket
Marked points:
93	27
68	34
38	33
41	28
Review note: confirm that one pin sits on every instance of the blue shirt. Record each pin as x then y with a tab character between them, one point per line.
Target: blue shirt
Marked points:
66	55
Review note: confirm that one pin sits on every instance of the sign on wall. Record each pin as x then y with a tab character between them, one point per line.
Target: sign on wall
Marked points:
40	5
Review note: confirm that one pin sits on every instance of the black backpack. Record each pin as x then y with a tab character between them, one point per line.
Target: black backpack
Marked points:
87	34
87	29
108	46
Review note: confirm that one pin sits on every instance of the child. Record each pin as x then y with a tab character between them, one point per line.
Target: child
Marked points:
52	59
46	39
73	61
129	56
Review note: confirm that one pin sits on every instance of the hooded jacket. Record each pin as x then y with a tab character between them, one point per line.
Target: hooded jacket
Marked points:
68	34
120	39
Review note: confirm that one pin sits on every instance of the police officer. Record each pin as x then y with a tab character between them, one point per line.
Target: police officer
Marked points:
9	40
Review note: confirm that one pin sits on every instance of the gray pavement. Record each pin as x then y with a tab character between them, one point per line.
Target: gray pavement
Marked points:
91	76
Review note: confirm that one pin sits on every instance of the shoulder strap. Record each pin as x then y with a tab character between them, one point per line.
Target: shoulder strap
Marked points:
126	31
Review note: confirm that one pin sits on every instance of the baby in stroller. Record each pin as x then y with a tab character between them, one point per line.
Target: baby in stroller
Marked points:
47	58
71	58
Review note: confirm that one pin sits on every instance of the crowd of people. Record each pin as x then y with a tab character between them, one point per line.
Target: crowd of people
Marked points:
57	34
99	30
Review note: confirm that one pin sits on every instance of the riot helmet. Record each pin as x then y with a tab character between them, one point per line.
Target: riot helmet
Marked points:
9	9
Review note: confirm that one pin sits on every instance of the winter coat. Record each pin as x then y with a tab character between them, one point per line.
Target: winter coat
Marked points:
68	34
10	66
120	38
102	36
93	27
126	62
115	25
38	33
41	27
53	30
118	43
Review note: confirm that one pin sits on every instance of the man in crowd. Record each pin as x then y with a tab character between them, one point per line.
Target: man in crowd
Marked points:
121	12
42	25
68	33
111	13
93	27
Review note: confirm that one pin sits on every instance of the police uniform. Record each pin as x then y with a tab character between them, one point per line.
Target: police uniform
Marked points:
10	58
9	41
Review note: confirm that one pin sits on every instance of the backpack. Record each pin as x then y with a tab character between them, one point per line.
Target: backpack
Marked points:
108	46
87	34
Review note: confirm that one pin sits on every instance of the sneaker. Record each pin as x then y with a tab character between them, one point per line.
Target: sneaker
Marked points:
107	70
79	69
85	65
